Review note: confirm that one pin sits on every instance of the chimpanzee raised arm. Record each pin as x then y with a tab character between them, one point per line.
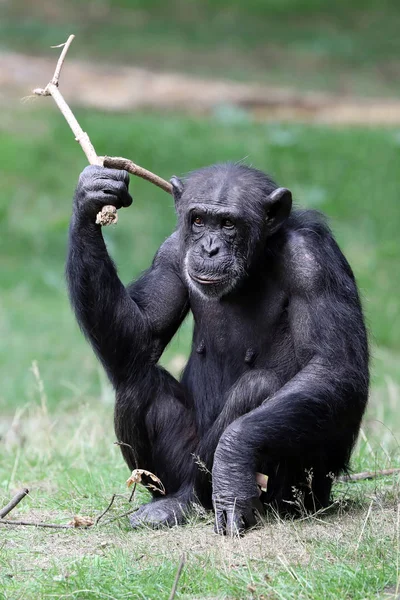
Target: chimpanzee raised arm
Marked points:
126	327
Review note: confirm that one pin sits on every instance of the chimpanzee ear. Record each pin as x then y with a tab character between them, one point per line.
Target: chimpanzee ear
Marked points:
177	187
279	205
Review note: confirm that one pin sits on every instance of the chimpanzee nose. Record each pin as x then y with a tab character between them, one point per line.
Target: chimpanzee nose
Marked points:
210	247
213	251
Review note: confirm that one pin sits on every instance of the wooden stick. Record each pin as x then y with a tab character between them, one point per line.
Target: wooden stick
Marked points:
106	509
125	514
367	475
13	502
133	492
117	162
108	214
177	577
51	89
37	524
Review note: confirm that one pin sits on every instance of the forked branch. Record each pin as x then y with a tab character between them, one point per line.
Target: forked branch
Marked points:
108	214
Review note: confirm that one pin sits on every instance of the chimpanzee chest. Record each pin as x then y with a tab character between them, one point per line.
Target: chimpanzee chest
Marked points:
247	331
232	337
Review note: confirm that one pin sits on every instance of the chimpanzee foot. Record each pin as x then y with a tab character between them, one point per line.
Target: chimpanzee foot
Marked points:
165	512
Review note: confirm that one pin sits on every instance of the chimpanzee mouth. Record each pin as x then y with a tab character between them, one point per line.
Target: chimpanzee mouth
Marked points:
207	280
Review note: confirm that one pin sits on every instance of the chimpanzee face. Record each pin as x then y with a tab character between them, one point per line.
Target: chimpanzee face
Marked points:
216	248
223	223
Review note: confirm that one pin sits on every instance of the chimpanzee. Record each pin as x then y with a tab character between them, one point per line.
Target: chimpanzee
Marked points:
277	379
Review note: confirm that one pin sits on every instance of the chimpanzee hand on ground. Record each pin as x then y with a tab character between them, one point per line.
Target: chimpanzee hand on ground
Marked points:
98	187
235	491
234	515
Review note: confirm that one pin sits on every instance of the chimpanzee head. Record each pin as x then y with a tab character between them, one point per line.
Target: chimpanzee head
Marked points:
226	213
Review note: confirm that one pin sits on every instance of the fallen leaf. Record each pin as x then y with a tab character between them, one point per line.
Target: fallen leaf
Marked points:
136	477
79	521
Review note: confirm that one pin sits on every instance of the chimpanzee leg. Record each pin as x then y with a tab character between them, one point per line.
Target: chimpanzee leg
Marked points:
297	428
154	419
294	486
249	392
303	480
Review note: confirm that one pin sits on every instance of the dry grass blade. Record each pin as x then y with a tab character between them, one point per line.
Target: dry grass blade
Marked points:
177	577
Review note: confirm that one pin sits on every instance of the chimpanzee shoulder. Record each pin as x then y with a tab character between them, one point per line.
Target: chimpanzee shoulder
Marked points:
169	251
311	259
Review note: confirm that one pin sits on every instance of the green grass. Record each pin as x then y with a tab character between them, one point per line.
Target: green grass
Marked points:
72	467
312	44
60	443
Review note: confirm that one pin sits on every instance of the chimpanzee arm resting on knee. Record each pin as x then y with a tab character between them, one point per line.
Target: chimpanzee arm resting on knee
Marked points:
128	328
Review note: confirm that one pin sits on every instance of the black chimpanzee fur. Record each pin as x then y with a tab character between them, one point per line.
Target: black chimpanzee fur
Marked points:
277	380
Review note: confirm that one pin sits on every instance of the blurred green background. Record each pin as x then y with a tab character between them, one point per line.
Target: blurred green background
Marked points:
351	47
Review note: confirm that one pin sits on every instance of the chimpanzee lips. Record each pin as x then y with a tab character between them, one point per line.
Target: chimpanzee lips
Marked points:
207	280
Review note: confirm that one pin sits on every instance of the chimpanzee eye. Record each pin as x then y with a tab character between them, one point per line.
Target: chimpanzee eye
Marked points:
227	224
198	221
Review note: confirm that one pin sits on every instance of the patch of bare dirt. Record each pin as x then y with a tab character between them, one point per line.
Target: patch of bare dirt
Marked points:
121	88
289	542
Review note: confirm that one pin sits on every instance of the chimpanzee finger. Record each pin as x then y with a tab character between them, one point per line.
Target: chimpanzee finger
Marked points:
257	505
117	188
95	177
96	200
220	522
250	518
93	173
123	196
117	174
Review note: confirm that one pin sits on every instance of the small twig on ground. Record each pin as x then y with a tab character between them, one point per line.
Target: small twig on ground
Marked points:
106	510
125	514
77	522
112	502
13	502
177	577
108	214
36	524
113	498
367	475
133	492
